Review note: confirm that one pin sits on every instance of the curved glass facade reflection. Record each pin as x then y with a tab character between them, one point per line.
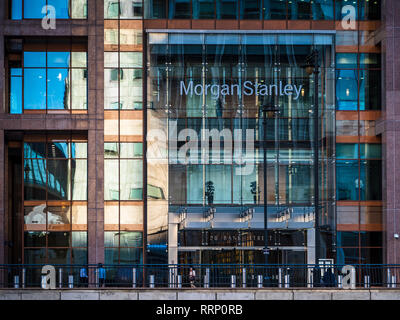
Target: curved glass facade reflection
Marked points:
206	93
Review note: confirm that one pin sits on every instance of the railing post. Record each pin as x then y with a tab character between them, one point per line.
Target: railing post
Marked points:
97	277
287	281
16	281
310	282
207	278
23	278
152	281
394	281
70	281
389	279
259	281
340	281
233	281
60	278
366	281
43	282
179	281
134	278
244	278
280	278
170	281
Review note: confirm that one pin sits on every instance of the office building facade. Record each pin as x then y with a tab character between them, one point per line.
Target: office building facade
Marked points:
199	131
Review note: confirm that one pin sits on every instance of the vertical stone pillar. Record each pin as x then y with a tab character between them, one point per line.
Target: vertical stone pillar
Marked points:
390	128
2	145
95	133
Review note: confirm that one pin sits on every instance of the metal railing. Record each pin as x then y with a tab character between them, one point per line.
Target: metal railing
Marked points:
206	276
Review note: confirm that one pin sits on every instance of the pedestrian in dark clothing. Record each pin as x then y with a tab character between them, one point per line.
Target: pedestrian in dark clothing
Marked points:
317	276
329	278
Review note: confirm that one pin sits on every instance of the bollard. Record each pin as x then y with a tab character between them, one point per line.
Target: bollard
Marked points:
170	275
259	281
60	278
244	278
389	279
280	278
16	282
287	281
310	283
134	278
207	278
179	281
340	281
152	281
393	281
23	278
70	281
366	281
233	281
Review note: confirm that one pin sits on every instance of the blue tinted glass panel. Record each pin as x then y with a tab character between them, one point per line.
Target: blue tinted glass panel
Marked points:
370	60
35	179
131	256
16	10
370	9
179	9
347	151
346	60
346	89
347	239
61	7
33	9
371	151
346	8
370	90
58	59
227	9
347	180
57	89
203	9
299	9
34	59
155	9
371	180
274	9
131	239
79	239
322	9
16	95
250	9
35	89
34	150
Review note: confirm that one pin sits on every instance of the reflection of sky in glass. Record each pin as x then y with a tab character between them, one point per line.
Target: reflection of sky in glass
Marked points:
33	9
34	59
35	89
58	59
16	92
57	94
61	7
16	10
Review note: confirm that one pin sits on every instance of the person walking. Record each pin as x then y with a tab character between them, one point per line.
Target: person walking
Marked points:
102	275
192	277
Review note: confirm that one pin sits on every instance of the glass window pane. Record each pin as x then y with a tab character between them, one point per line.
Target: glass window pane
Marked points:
111	216
35	89
131	59
79	179
347	215
131	239
274	9
111	9
203	9
346	60
61	6
347	239
79	150
370	151
131	177
155	9
111	238
218	185
111	181
59	256
347	151
370	60
57	150
250	9
35	179
111	256
370	90
346	38
371	255
79	59
79	239
33	9
34	150
57	89
15	94
111	150
299	9
371	238
227	9
131	216
346	89
16	10
58	218
58	183
371	180
111	59
347	256
34	239
58	239
131	150
35	256
370	10
347	180
131	9
179	9
79	256
79	89
342	12
34	59
79	9
131	256
322	9
79	216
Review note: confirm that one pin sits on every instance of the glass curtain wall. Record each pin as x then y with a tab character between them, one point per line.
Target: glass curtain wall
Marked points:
203	88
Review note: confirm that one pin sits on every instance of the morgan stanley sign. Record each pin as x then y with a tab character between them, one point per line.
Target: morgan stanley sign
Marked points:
249	88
